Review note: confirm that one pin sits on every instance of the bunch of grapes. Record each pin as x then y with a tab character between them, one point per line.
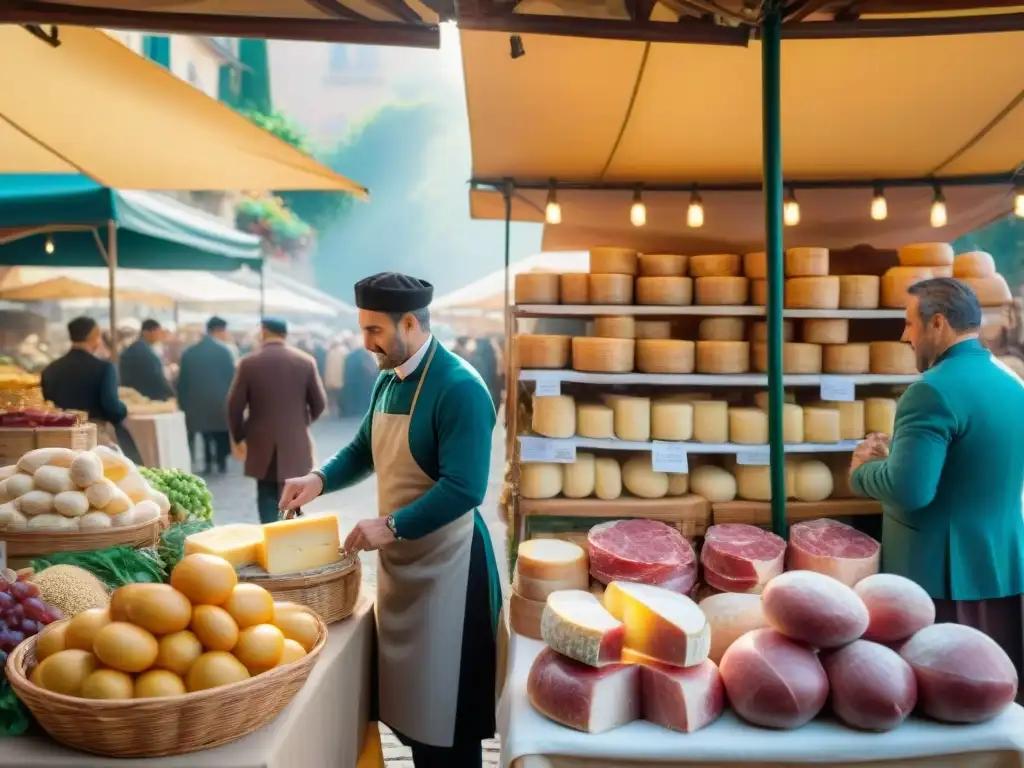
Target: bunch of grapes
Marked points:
22	613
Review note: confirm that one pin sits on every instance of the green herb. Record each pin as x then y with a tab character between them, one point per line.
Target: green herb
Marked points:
115	566
172	541
14	718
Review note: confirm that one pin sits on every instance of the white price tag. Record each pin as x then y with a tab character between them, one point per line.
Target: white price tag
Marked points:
669	457
3	555
542	449
755	457
547	385
837	389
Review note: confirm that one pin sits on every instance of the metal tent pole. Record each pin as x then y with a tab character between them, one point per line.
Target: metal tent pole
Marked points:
112	278
263	289
771	98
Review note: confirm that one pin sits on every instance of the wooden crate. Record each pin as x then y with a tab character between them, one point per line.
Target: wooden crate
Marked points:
760	512
16	442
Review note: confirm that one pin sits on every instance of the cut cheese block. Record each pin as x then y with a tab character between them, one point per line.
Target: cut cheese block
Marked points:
722	291
829	331
723	357
991	291
579	477
683	699
632	417
893	358
239	544
811	480
748	426
550	560
613	261
806	262
664	356
815	609
574	288
602	355
538	590
610	289
711	421
926	255
846	358
898	608
792	423
796	357
554	416
537	288
713	483
730	616
851	418
721	329
715	265
821	425
595	421
300	544
859	291
581	697
897	280
641	480
644	551
812	293
755	265
607	479
880	415
540	480
671	420
974	264
615	327
678	484
576	625
834	549
759	292
542	351
664	291
661	624
739	557
759	331
653	329
872	688
525	615
662	265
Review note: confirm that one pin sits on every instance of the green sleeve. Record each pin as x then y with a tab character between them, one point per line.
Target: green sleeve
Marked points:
909	478
353	463
465	427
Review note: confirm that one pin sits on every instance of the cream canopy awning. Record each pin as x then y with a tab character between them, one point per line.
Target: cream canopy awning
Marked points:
488	293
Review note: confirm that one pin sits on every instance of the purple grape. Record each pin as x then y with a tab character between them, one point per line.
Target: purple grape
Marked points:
35	609
30	627
33	589
6	602
17	612
55	614
16	636
20	591
7	640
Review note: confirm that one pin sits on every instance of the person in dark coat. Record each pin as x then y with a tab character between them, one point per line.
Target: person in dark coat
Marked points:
141	368
358	380
207	369
280	387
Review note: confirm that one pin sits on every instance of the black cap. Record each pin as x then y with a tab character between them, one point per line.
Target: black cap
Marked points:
216	324
150	325
274	325
393	292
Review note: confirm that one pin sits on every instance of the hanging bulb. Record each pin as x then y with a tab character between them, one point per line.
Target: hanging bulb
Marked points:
638	211
49	247
879	207
1018	202
695	212
791	209
553	211
938	214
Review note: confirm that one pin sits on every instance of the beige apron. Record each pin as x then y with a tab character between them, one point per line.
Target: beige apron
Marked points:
421	595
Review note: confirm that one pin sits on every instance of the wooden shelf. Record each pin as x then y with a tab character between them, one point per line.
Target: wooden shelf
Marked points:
700	310
760	512
692	447
690	514
704	379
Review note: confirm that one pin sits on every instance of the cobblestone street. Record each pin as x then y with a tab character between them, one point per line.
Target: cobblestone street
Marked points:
235	502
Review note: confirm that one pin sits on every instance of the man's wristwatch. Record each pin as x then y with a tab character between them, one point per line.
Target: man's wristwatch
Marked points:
390	522
323	480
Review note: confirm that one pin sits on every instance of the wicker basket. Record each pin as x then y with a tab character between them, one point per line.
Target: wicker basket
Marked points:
23	546
331	592
160	727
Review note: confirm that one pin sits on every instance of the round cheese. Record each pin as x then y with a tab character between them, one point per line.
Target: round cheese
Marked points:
893	358
806	262
653	329
574	288
664	291
974	264
613	261
926	255
851	418
664	356
602	355
991	291
607	479
755	265
897	280
830	331
723	357
846	358
554	416
821	425
541	351
615	327
678	484
537	288
753	483
721	329
595	421
578	477
759	292
859	291
711	421
662	265
761	399
792	423
796	358
640	479
671	420
812	293
632	417
713	483
540	480
551	560
759	331
715	265
812	481
748	426
879	415
941	271
524	615
610	289
722	291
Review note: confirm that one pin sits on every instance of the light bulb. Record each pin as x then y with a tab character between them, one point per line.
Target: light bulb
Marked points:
695	213
791	213
49	247
1018	203
553	212
938	213
638	211
879	207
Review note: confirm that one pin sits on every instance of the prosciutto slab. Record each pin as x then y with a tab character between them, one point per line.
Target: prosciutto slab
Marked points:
643	551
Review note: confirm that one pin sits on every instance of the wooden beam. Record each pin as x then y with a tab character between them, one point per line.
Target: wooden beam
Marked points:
696	33
398	9
903	27
640	10
804	9
336	10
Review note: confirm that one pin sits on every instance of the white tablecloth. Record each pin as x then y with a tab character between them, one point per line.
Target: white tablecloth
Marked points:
162	440
524	732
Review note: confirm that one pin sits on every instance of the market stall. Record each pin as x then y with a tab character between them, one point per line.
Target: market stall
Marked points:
162	439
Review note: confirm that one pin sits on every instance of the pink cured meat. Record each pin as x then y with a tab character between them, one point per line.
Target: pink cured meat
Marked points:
681	698
644	551
741	558
834	549
963	676
586	698
897	607
814	609
873	689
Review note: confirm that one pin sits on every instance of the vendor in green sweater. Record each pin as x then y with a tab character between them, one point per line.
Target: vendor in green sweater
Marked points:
427	437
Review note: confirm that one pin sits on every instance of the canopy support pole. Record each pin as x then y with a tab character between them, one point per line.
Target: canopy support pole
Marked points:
112	276
507	194
771	98
263	290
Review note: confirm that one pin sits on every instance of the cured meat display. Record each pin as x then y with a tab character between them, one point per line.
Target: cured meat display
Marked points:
575	624
731	616
644	551
834	549
681	699
814	609
873	689
660	624
897	607
741	558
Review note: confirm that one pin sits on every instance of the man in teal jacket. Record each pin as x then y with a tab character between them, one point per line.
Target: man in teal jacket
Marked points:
951	482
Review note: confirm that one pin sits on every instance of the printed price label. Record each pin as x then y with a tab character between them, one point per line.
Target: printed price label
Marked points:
669	457
837	389
541	449
547	385
3	555
755	457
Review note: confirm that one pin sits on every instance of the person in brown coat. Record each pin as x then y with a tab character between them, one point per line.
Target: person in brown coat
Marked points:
282	390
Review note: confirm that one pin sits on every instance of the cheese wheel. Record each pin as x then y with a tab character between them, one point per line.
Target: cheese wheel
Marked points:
748	426
607	479
613	261
974	264
595	421
859	291
602	355
554	416
551	560
761	399
664	291
926	255
851	418
880	415
812	293
716	265
671	420
578	477
524	615
812	481
806	262
632	417
897	280
821	425
610	289
991	291
678	484
664	356
830	331
755	265
721	329
722	291
711	421
662	265
540	480
754	483
759	292
542	351
640	479
723	357
713	483
615	327
792	423
759	331
893	358
846	358
796	358
653	329
574	288
537	288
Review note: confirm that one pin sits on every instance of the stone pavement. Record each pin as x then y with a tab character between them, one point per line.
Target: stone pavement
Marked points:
234	501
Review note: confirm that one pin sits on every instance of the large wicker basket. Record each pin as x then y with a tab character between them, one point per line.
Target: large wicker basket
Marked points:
160	727
331	592
23	546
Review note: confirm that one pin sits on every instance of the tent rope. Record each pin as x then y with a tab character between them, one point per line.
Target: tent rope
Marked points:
629	109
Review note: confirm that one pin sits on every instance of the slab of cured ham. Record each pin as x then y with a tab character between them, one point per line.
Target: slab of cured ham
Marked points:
834	549
643	551
741	558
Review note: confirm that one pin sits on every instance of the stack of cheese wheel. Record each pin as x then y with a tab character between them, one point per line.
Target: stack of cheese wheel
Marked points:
718	279
892	358
541	350
919	261
808	283
543	566
978	270
662	280
612	271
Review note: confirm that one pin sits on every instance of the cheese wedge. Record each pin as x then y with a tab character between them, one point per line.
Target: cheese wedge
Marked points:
239	544
659	623
300	544
576	625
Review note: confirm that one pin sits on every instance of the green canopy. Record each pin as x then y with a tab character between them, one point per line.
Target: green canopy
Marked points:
70	211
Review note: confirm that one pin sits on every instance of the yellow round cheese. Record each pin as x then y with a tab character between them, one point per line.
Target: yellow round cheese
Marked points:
991	291
851	418
653	329
537	288
632	417
759	331
806	262
671	419
550	560
613	261
821	425
723	356
664	291
574	288
541	351
615	327
540	480
664	356
721	329
893	358
640	479
897	280
796	357
662	265
879	415
846	359
678	484
722	291
554	416
812	293
711	421
755	265
812	481
715	265
754	483
748	426
607	479
578	477
595	420
761	399
926	255
759	292
602	355
974	264
792	423
610	289
713	483
859	291
828	331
